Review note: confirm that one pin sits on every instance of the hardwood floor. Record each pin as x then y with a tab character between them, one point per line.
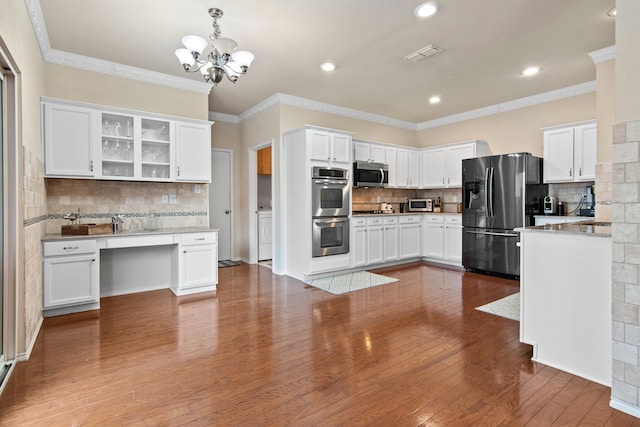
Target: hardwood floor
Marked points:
269	350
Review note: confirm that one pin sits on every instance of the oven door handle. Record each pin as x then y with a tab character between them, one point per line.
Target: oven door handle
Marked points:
329	182
329	221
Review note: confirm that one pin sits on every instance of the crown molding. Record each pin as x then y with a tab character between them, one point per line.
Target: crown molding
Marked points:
309	104
222	117
516	104
120	70
55	56
37	21
603	55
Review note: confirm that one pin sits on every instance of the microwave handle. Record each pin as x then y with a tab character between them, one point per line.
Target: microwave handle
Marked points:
381	176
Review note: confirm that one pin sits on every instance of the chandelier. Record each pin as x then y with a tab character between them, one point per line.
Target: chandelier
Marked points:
223	60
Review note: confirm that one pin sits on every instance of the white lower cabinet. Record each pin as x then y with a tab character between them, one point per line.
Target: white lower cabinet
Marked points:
442	238
375	243
433	236
374	240
198	262
391	243
409	232
71	273
453	238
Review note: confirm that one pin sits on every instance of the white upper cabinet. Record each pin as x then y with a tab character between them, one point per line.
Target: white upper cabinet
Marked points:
391	159
193	157
407	168
433	168
68	141
570	152
366	152
330	147
83	141
442	166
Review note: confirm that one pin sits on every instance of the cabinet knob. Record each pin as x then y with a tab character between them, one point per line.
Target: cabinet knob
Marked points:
227	211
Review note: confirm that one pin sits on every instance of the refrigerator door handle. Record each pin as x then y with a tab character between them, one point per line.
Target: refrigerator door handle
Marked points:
493	233
491	192
486	192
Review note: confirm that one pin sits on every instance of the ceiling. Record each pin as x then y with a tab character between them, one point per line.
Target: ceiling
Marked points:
485	46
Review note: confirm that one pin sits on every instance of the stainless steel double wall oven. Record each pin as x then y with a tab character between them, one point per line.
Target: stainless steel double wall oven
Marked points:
330	196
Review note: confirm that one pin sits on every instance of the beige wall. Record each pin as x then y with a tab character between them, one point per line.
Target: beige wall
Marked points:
627	62
294	117
517	130
19	42
88	86
605	77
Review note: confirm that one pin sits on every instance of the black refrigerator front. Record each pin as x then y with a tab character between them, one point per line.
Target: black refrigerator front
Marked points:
493	206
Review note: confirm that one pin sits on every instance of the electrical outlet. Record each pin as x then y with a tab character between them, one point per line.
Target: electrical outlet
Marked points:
173	199
165	198
378	199
196	188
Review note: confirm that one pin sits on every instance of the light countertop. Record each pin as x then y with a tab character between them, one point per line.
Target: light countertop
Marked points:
590	228
54	237
405	213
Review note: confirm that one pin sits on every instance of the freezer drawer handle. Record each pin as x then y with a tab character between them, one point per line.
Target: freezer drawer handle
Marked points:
493	233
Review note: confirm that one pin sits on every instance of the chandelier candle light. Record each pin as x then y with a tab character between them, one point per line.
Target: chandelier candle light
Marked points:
223	60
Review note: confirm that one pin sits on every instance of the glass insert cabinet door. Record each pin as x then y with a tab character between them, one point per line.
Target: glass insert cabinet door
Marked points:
156	148
135	147
118	145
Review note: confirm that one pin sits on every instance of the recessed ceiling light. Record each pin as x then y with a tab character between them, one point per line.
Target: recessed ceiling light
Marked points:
612	12
531	71
434	100
328	66
426	9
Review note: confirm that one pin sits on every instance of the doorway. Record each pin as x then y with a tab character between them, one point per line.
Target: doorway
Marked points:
261	170
221	200
9	198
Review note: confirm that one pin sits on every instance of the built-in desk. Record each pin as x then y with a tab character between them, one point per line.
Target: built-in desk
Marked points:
78	270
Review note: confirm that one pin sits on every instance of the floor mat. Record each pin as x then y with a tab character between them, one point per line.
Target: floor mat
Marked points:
508	307
350	282
227	263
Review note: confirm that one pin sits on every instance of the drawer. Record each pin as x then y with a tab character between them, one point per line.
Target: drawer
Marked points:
410	219
453	219
197	238
358	222
390	220
375	220
70	247
434	219
139	241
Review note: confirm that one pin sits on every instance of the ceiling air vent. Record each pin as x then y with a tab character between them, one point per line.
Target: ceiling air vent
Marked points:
420	54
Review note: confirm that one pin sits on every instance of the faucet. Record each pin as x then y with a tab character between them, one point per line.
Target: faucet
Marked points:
72	217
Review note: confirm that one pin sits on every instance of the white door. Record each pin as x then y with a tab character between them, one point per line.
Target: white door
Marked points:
220	191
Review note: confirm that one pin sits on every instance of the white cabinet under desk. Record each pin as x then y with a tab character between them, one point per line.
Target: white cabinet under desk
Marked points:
78	270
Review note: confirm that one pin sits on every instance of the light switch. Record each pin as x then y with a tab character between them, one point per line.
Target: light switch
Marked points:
165	198
196	188
172	199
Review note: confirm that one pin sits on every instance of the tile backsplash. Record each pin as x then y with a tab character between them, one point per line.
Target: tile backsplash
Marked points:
367	198
140	203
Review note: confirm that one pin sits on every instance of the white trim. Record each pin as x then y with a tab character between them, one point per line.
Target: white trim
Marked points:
283	99
516	104
23	357
603	55
624	407
39	28
120	70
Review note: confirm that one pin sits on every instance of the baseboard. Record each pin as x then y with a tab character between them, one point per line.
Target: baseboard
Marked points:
625	407
23	357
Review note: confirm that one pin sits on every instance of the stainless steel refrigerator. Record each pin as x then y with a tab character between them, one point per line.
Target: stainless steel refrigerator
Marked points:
500	194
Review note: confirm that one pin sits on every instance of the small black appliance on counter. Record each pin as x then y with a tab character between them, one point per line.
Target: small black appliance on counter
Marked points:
590	209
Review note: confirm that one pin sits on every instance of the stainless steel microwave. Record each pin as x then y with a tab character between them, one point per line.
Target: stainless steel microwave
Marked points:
420	205
367	174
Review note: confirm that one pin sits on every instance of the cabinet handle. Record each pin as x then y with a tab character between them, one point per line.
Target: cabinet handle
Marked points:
184	252
178	170
90	165
443	180
570	171
93	260
580	171
201	238
448	180
71	248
